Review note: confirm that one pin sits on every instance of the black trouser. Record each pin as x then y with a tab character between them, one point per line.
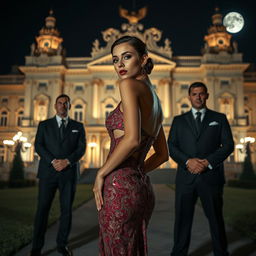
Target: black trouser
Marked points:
47	190
211	197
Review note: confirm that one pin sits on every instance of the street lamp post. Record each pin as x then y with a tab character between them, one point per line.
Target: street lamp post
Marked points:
16	174
21	142
244	145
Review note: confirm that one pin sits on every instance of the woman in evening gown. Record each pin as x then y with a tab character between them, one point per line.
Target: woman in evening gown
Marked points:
123	192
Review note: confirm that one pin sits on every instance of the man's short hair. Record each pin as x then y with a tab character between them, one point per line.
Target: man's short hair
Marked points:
63	96
195	85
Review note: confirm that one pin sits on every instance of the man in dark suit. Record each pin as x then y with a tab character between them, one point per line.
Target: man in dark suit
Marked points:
199	141
60	142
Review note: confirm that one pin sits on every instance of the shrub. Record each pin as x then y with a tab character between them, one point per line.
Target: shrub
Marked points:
17	171
248	184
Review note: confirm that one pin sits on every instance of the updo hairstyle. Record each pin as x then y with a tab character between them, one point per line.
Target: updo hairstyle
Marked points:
139	46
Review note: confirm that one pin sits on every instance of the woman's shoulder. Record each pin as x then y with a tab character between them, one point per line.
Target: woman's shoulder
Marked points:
130	82
134	85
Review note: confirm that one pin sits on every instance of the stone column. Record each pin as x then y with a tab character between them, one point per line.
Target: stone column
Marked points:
28	107
95	98
167	98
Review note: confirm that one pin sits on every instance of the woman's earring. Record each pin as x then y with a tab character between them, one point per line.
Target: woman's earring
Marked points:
143	71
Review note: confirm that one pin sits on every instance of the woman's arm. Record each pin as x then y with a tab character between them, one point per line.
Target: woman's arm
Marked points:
161	154
132	134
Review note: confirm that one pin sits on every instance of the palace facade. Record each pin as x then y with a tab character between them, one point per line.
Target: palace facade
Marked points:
27	96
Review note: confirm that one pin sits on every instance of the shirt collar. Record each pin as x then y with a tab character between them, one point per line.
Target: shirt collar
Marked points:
203	110
58	118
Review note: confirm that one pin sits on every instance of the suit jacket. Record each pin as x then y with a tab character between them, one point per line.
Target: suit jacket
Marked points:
214	143
49	146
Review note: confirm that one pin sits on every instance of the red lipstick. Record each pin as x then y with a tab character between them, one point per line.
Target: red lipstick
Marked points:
122	72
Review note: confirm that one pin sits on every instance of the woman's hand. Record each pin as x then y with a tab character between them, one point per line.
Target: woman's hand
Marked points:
97	190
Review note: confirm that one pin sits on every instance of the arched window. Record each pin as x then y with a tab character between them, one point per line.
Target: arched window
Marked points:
1	154
19	117
183	105
108	109
3	118
41	107
226	105
248	115
78	113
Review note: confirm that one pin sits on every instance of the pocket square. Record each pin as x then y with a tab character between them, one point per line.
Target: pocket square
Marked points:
74	130
213	123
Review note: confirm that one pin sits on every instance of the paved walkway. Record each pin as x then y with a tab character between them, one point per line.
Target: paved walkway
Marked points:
83	238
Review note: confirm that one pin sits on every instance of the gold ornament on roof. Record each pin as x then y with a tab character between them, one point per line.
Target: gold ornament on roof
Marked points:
133	17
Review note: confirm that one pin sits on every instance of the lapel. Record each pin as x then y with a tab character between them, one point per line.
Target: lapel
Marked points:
55	127
67	129
190	119
205	122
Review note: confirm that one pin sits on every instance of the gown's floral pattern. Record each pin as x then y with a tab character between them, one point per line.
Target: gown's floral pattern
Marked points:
128	199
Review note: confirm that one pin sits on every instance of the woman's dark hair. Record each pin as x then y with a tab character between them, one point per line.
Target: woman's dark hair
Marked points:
139	46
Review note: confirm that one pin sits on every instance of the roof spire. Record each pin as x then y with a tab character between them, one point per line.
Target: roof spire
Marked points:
49	40
218	39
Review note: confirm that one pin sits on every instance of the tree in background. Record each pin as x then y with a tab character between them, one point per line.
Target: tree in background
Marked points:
17	176
247	172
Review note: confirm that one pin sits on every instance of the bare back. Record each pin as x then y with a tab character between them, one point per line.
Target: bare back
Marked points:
150	109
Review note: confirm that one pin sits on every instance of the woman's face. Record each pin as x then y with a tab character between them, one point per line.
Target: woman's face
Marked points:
127	62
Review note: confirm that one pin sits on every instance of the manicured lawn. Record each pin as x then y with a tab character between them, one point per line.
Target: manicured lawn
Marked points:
17	210
239	209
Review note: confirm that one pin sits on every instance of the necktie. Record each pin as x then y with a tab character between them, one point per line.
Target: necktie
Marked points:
198	121
62	128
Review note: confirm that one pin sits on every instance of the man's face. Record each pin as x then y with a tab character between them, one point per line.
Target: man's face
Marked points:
198	97
62	106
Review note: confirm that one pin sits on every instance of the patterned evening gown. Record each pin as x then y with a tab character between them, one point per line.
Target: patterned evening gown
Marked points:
128	199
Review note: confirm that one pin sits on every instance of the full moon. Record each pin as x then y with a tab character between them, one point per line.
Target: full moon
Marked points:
233	22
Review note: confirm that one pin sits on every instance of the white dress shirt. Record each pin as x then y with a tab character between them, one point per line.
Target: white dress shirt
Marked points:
202	111
58	118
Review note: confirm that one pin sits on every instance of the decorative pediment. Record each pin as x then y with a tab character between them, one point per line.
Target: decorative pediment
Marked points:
107	60
150	36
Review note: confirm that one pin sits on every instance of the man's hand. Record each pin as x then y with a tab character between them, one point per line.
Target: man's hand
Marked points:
60	164
196	165
204	162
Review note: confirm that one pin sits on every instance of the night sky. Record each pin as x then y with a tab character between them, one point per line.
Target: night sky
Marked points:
80	22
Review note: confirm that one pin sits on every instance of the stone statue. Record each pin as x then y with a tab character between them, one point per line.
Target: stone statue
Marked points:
133	17
32	49
59	50
235	47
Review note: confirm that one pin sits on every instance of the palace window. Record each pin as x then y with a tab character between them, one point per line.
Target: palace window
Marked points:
21	100
3	118
109	87
4	100
42	110
1	154
19	118
184	87
226	105
224	83
108	109
184	108
79	88
42	85
248	115
78	113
